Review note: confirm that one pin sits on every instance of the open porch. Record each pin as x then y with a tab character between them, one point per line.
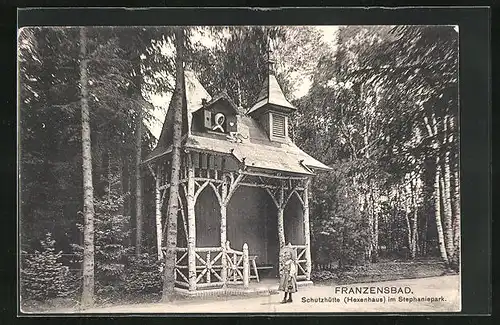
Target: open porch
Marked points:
232	223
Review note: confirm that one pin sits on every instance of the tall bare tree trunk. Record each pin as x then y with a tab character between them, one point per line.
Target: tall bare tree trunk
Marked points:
126	193
159	236
87	298
169	273
408	224
456	219
138	182
446	194
414	237
455	189
447	224
374	219
439	225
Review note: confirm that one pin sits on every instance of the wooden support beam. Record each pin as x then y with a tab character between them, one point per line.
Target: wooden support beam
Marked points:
183	215
246	266
151	170
198	191
262	185
300	198
223	225
164	187
307	234
233	186
217	194
272	197
191	225
290	194
281	207
275	176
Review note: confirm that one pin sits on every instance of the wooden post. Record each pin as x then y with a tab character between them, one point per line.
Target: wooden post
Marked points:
223	228
158	212
246	266
191	225
281	208
209	267
307	234
281	226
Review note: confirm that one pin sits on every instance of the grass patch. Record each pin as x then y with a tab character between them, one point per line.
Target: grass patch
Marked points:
388	270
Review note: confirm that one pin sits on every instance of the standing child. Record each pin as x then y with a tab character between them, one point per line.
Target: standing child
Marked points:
288	280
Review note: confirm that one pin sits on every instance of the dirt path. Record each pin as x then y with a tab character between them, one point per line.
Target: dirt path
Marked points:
445	289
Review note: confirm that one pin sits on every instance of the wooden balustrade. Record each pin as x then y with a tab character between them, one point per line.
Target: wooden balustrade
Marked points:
210	267
300	251
181	267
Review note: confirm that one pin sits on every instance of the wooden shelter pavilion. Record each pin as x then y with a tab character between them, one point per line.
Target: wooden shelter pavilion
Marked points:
244	188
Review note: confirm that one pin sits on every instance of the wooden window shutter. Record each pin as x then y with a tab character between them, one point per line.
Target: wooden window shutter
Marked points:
207	119
231	123
196	160
204	162
278	126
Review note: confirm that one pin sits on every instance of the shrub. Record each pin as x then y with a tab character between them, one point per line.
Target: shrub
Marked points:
43	276
110	251
323	275
143	275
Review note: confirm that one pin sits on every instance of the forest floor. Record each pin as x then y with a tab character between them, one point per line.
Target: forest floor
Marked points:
384	270
432	294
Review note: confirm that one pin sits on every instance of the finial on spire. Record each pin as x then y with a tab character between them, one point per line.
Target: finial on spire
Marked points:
270	59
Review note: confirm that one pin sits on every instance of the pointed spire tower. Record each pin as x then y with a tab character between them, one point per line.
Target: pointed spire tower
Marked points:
272	108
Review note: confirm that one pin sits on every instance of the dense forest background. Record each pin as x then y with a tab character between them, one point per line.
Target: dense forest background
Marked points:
381	109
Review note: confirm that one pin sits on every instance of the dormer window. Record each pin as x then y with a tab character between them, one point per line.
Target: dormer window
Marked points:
276	126
217	116
272	110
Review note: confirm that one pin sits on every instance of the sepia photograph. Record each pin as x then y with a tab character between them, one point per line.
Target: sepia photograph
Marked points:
239	169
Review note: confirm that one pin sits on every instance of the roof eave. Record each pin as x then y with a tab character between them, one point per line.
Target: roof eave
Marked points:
159	155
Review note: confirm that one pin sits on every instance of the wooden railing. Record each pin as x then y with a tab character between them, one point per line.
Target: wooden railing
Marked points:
300	251
215	267
209	266
181	267
235	267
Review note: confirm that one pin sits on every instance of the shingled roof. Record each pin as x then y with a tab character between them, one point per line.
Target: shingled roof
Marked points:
193	101
256	150
271	93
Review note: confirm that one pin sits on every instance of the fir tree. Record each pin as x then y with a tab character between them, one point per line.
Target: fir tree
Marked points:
43	275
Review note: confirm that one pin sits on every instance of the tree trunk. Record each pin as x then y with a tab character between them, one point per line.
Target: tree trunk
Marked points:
455	190
126	193
138	182
456	218
413	247
169	273
159	235
408	224
374	219
446	208
439	225
87	298
446	194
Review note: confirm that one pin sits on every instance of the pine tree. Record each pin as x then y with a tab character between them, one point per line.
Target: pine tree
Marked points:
43	275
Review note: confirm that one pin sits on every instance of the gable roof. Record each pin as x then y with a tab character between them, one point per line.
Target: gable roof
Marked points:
255	149
222	96
271	93
193	101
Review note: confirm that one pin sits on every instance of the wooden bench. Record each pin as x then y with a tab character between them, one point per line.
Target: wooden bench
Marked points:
253	267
